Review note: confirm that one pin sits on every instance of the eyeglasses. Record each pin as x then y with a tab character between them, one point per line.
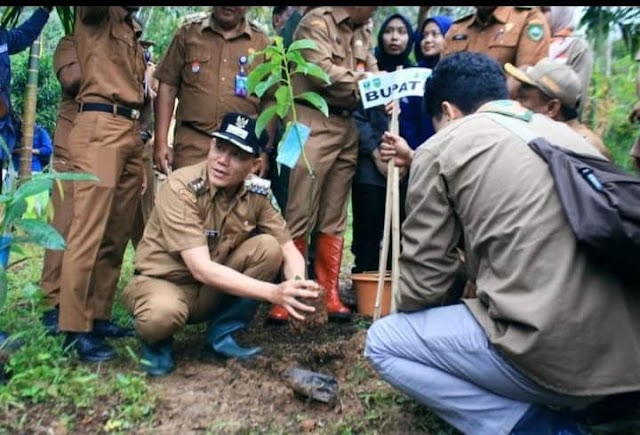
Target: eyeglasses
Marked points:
432	34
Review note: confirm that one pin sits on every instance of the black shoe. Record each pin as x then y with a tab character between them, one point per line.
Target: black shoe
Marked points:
90	347
50	320
541	420
618	413
108	329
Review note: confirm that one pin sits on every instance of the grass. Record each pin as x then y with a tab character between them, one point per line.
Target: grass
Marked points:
41	373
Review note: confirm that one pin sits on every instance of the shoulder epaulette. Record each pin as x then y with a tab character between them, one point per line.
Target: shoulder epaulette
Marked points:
196	17
198	186
258	185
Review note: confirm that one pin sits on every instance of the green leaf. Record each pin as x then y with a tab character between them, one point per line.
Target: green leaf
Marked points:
264	86
282	95
313	70
264	119
297	58
257	75
278	42
316	100
42	233
13	211
32	186
273	56
302	44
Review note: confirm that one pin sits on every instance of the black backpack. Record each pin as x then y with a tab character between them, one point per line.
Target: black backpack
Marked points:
600	199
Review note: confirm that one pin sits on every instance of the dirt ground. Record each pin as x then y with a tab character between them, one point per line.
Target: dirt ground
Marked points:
208	395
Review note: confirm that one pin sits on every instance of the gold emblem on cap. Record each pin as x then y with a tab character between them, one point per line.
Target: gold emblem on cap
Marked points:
241	121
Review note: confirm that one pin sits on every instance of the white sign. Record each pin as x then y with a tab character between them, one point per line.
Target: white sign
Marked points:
380	89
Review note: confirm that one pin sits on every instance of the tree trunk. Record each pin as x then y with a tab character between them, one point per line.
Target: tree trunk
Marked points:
29	112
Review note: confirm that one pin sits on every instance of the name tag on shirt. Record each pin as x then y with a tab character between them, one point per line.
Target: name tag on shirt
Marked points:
3	48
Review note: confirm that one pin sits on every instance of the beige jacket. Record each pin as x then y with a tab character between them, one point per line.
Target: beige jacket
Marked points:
561	319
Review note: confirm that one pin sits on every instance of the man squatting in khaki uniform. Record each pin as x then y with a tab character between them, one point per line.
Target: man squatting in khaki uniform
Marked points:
105	140
518	35
343	52
210	250
200	68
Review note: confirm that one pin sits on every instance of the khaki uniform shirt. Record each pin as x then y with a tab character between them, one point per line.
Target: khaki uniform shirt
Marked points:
561	319
203	65
111	58
589	135
65	55
343	53
518	35
189	214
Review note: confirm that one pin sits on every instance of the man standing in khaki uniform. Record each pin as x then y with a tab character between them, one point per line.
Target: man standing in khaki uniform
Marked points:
554	89
212	246
320	202
105	140
67	69
519	35
143	211
206	68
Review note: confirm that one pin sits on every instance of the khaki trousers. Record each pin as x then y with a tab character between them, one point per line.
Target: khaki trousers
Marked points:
110	147
161	308
332	149
62	202
145	205
190	147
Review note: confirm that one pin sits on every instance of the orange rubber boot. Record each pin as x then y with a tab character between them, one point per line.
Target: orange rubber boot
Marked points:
327	268
279	313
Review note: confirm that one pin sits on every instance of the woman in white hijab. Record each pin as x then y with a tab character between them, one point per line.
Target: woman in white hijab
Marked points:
566	47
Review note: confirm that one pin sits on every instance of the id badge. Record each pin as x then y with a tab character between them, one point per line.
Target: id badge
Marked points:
241	89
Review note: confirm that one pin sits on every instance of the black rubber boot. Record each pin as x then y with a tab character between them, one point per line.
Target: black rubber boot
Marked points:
157	358
233	314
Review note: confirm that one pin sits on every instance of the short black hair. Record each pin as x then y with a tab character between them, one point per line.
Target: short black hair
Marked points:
466	79
278	10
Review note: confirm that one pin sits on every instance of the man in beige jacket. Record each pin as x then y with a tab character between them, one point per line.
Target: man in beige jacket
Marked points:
547	329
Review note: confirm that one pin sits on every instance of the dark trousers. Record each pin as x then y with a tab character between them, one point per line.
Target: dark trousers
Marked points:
367	205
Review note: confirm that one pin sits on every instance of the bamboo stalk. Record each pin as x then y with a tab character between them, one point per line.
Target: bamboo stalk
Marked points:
392	197
29	112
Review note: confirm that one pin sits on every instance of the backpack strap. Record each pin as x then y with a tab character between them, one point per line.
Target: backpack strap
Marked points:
516	126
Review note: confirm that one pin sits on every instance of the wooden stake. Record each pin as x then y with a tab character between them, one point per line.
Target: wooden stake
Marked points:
391	208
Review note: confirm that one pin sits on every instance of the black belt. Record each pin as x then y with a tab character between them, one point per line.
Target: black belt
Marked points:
110	108
342	112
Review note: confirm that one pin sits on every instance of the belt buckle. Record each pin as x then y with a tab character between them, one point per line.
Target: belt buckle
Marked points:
135	114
